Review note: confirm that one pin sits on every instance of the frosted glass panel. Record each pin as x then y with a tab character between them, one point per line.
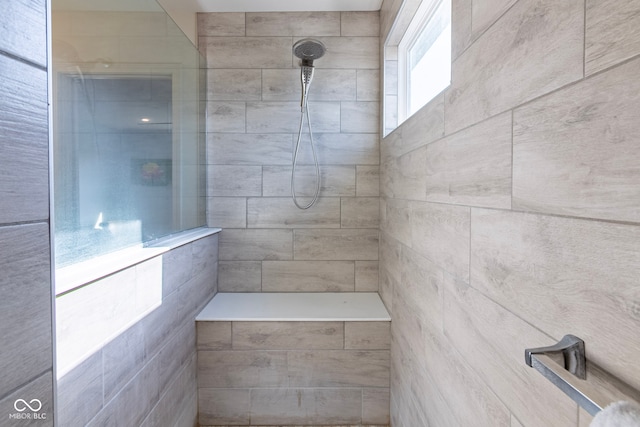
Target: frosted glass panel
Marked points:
128	129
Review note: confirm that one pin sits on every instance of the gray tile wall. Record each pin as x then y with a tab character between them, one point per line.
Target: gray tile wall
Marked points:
26	358
145	373
291	373
267	243
510	213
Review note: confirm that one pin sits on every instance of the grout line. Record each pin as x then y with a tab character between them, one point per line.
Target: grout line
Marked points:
28	382
344	335
578	414
612	66
102	355
246	104
470	40
512	167
172	383
444	116
232	340
474	38
293	244
22	60
526	212
470	255
443	299
584	40
44	221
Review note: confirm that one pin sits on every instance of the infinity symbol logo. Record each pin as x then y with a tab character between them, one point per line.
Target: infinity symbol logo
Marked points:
21	405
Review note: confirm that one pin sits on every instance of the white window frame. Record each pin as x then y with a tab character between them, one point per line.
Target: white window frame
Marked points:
418	23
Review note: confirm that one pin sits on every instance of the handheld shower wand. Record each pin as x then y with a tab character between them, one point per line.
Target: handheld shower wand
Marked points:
307	50
306	75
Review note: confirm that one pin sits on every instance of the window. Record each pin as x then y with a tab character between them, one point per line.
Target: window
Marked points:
422	59
427	56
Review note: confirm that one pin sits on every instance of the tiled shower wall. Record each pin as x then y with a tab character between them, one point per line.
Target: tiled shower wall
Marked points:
292	373
253	116
26	355
126	343
510	213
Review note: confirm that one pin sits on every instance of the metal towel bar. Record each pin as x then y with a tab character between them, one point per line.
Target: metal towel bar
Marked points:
565	365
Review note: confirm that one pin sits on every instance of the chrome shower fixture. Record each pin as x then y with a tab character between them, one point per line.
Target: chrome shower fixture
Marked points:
307	50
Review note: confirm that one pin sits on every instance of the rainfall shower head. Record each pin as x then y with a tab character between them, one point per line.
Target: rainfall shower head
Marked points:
308	50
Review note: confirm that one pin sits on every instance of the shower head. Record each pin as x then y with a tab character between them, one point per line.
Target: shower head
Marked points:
308	50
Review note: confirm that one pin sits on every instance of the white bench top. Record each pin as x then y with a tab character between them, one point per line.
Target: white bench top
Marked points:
296	306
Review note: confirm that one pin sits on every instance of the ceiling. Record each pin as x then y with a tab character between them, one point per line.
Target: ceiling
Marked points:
193	6
282	5
183	12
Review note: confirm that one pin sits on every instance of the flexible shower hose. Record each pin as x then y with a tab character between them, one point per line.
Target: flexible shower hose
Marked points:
304	111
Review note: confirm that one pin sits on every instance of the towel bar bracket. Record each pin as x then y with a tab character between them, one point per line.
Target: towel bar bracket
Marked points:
565	365
570	348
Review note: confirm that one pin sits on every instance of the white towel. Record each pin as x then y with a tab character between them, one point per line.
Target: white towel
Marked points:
618	414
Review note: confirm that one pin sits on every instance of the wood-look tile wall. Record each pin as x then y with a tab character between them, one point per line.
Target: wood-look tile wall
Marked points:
289	373
510	213
268	244
26	349
126	344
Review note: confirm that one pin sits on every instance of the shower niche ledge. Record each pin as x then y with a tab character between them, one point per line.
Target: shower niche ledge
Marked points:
290	359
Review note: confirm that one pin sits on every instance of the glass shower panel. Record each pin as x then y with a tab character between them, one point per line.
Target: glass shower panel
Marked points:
128	127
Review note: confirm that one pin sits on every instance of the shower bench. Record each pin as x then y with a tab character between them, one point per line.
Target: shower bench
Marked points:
293	359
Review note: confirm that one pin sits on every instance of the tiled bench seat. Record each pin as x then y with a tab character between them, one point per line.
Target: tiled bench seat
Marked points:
294	359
